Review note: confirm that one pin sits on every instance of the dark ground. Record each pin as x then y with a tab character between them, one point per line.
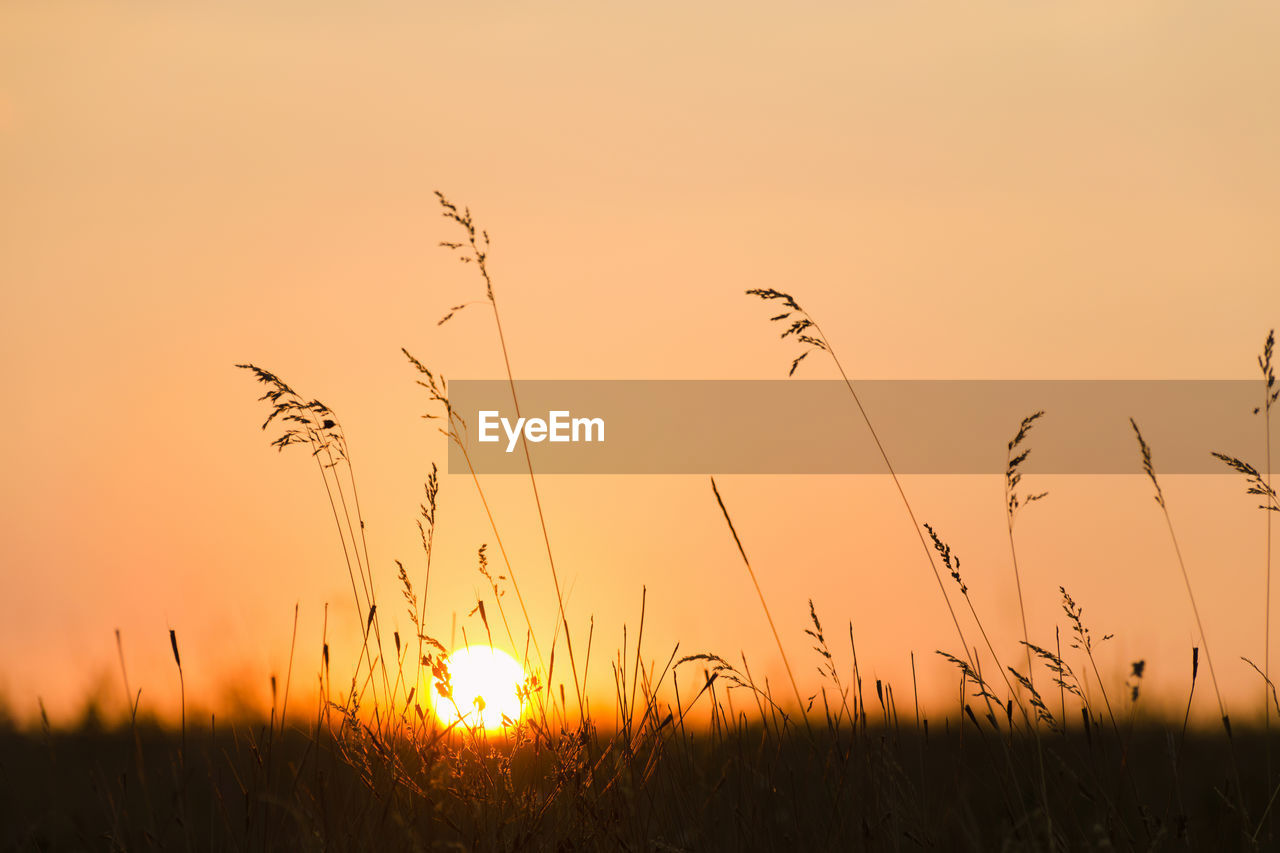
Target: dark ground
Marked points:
245	788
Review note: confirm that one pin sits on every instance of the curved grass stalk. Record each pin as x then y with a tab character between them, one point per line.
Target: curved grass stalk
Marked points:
478	242
806	331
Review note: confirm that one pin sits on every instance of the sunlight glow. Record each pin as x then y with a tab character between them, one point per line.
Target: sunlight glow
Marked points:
485	686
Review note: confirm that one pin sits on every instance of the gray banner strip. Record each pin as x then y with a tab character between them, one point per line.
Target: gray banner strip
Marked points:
814	427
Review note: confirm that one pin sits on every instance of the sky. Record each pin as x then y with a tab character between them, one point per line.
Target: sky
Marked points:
999	190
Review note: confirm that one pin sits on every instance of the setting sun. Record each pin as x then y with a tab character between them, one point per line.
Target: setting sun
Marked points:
484	687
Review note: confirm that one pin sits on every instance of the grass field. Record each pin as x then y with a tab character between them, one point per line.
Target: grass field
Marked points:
654	787
1035	754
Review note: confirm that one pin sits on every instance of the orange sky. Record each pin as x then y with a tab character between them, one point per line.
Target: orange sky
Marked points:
995	191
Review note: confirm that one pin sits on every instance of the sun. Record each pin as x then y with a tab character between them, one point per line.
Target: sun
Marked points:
485	687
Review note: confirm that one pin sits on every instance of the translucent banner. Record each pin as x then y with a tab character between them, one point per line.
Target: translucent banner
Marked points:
815	427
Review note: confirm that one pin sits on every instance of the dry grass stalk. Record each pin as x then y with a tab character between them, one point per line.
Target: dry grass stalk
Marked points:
476	252
800	326
1149	470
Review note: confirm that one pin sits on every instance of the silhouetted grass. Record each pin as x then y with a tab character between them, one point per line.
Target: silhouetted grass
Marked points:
735	785
730	766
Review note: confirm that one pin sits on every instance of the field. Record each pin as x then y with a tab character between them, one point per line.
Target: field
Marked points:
1035	754
652	787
